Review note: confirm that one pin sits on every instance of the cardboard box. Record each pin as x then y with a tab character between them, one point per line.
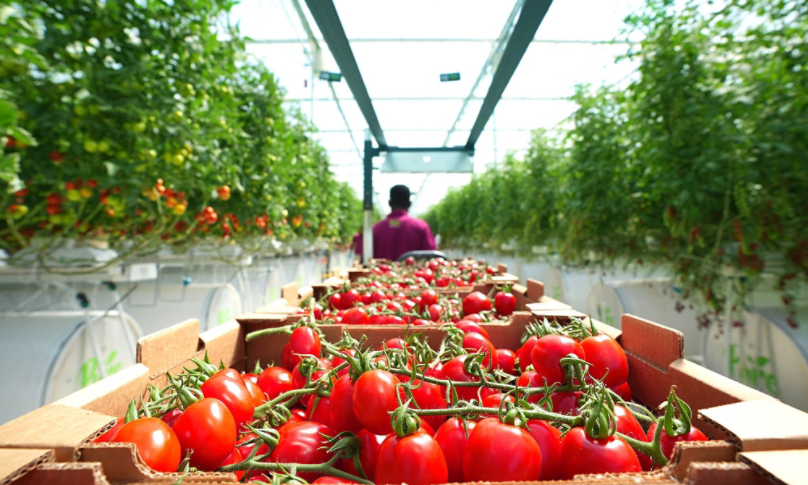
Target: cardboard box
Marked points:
532	294
739	418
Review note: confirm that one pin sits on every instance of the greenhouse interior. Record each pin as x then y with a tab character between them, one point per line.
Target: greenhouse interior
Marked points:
424	242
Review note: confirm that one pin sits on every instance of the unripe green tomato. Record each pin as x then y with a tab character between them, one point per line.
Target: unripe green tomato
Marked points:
90	146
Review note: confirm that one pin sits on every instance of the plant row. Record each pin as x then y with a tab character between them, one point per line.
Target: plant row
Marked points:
698	163
144	124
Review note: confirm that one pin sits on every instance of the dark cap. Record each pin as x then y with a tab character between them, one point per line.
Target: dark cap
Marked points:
400	196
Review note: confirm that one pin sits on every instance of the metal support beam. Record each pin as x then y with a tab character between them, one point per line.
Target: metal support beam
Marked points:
327	19
496	50
530	17
367	199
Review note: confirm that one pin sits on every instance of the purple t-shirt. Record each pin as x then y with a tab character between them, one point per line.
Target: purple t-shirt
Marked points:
396	235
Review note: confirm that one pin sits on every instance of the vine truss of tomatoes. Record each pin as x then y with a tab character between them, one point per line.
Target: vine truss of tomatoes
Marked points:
344	412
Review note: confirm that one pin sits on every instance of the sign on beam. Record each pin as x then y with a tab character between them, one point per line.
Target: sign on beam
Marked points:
428	161
330	76
452	76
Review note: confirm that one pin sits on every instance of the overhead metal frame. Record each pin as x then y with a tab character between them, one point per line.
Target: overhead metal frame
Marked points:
325	15
530	17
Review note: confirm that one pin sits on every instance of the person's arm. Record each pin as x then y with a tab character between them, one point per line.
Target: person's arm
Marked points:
428	239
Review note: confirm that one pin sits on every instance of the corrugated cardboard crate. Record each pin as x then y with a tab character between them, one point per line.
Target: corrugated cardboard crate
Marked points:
739	418
527	297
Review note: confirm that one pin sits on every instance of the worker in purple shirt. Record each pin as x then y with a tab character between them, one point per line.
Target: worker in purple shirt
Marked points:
398	233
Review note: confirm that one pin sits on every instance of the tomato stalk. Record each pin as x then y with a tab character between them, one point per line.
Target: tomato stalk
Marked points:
327	468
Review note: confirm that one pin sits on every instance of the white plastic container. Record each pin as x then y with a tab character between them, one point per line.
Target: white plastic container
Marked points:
764	353
48	355
653	299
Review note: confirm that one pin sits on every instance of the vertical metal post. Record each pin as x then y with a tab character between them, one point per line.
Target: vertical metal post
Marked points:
367	231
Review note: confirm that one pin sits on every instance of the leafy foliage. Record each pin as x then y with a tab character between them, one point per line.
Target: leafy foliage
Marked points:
700	164
154	128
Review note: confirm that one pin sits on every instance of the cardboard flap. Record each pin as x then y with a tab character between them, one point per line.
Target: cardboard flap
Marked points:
289	292
15	462
782	467
305	292
535	289
649	341
61	428
64	474
110	395
162	350
547	304
502	268
761	424
707	473
122	463
224	343
687	452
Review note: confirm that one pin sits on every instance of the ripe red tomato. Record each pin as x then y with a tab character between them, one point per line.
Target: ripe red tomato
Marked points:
299	380
415	459
156	443
235	457
498	452
429	297
443	281
420	322
366	298
231	374
170	417
467	326
475	318
524	352
607	359
349	299
374	397
332	480
304	341
250	377
207	429
377	320
394	343
336	360
429	396
377	297
286	357
549	440
494	400
256	393
531	379
302	442
355	316
110	435
476	342
581	454
245	451
504	303
319	410
455	371
435	312
506	360
475	303
343	417
368	454
668	442
394	320
452	439
624	391
547	353
233	395
628	425
335	302
565	402
274	381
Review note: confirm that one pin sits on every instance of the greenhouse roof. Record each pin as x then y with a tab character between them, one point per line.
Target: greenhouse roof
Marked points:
402	48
